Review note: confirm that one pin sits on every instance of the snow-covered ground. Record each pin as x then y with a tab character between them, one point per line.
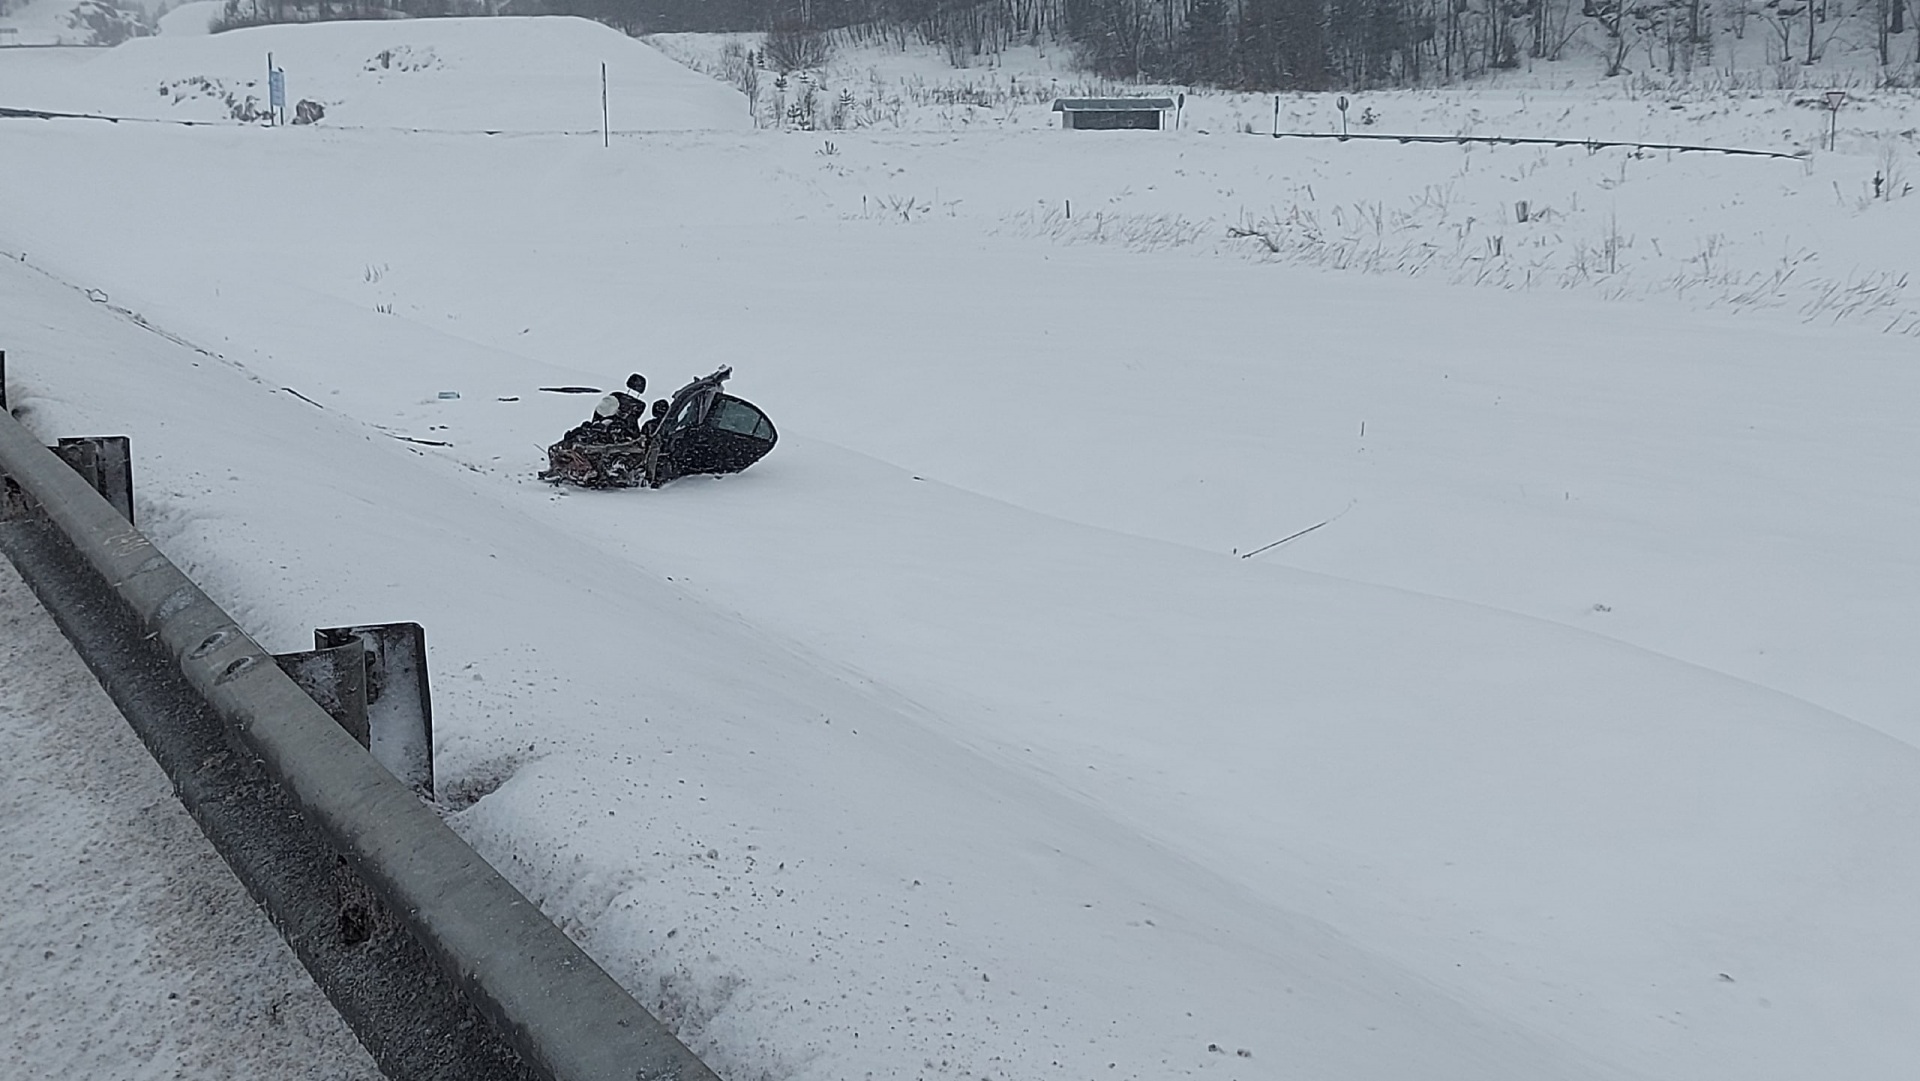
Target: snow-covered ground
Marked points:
956	738
127	950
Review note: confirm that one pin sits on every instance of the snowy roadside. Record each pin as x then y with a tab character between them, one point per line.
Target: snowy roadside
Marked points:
954	740
127	949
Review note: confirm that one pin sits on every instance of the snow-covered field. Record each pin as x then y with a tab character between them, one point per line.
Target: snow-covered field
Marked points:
956	739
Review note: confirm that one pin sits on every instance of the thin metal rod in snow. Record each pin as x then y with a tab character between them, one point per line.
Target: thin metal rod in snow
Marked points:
1294	536
1511	140
606	134
8	113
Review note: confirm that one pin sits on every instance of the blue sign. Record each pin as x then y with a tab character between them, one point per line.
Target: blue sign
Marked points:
277	88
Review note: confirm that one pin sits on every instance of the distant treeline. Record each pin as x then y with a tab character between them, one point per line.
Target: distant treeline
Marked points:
1253	44
1244	44
1306	44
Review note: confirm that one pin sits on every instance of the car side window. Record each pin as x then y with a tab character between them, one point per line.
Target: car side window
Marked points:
733	415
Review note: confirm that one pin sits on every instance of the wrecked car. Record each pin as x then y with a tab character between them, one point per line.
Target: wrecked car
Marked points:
702	429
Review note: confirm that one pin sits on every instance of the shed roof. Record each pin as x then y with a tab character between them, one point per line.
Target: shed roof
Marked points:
1110	105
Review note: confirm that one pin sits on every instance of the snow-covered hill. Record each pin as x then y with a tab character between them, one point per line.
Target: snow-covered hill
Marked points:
79	23
191	18
511	75
956	739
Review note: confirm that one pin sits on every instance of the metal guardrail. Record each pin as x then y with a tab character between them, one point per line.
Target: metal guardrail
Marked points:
1589	145
442	968
12	113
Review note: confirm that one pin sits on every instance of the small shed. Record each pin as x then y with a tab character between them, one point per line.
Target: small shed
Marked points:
1109	113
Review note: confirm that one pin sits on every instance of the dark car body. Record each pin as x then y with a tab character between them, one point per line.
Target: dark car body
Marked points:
706	430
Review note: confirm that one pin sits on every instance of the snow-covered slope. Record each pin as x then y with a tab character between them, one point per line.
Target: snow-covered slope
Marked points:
68	22
457	74
849	769
191	18
956	739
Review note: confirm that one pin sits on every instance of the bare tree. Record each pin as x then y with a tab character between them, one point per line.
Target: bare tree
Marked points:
796	45
1616	19
737	66
1781	15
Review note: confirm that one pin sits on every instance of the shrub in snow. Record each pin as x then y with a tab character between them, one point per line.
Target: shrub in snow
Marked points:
402	58
107	22
793	46
246	110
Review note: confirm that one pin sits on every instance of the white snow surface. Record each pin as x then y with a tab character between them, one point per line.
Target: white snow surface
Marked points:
955	739
127	950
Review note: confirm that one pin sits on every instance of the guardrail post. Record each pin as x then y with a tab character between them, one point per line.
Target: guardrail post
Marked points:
106	462
372	680
14	503
336	679
398	728
103	462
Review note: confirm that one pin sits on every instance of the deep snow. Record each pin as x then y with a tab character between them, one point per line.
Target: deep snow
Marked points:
955	739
